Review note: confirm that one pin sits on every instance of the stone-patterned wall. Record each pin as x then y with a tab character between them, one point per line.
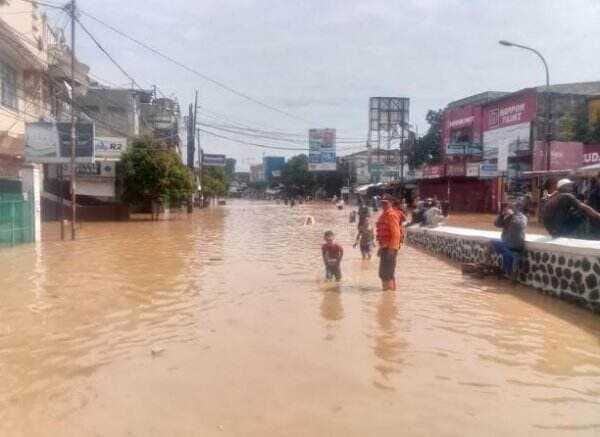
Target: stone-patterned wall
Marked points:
570	276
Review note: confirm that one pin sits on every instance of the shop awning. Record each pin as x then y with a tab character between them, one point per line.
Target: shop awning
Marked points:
589	170
546	173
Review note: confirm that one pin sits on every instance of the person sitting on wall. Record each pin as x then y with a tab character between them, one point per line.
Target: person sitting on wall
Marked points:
512	240
433	215
563	215
418	214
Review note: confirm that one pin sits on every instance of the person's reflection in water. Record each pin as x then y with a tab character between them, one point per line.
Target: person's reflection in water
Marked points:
332	308
388	346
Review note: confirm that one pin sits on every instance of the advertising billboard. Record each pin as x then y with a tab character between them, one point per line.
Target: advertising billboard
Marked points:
518	108
433	171
50	142
512	139
321	150
563	155
462	130
211	160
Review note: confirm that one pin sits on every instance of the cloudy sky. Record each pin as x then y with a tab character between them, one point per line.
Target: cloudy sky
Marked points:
320	60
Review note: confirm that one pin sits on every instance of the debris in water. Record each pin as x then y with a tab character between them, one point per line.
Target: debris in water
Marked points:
156	351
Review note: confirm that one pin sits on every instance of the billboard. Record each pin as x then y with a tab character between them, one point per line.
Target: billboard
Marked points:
50	142
515	109
210	160
511	139
109	147
564	155
272	167
321	150
387	113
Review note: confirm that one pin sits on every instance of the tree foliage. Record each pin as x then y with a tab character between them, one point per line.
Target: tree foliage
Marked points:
428	147
214	181
296	178
153	173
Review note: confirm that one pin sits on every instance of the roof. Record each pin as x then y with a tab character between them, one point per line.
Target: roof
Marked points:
477	98
582	88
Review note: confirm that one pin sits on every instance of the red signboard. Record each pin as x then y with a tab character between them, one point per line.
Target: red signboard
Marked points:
591	154
433	171
564	155
468	117
517	108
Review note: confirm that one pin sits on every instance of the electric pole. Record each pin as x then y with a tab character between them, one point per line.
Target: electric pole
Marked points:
73	126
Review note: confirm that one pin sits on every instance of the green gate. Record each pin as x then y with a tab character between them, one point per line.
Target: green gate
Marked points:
16	219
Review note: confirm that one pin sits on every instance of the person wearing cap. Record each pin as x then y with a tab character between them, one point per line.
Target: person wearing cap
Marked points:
563	214
389	237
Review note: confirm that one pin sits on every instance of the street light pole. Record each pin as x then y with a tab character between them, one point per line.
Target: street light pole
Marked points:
547	96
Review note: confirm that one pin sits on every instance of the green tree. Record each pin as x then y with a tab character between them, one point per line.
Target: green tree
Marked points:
581	129
296	178
153	174
214	182
428	147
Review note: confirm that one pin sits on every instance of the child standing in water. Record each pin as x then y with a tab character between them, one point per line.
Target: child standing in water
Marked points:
332	257
365	237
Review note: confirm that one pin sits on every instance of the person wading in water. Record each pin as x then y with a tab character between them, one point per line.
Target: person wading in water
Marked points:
389	236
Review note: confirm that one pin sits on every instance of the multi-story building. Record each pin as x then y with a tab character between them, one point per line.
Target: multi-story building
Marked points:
494	144
376	165
34	78
257	173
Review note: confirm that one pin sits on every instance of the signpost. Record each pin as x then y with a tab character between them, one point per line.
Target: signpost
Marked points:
321	150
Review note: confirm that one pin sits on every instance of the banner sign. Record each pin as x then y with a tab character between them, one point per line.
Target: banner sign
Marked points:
563	156
433	171
321	153
209	160
487	170
516	109
50	142
109	147
591	154
473	169
457	169
472	149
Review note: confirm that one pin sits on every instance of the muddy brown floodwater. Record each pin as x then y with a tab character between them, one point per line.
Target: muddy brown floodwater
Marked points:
219	325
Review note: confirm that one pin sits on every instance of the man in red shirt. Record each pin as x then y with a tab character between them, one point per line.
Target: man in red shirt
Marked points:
332	257
389	237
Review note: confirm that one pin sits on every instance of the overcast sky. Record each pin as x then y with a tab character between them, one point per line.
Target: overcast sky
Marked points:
321	60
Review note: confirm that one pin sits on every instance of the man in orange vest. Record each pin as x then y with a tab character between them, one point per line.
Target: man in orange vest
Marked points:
389	237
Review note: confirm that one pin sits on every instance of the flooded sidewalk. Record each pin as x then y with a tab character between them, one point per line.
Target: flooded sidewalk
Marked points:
219	324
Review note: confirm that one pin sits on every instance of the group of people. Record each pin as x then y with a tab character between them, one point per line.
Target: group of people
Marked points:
565	215
388	234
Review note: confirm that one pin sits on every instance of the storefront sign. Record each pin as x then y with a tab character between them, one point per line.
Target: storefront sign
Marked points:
591	154
209	160
473	169
564	155
488	171
433	171
461	130
109	147
516	109
457	169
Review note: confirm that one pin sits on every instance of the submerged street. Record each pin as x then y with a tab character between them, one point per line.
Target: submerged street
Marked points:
220	324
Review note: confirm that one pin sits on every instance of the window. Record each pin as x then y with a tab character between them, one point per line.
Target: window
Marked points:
8	79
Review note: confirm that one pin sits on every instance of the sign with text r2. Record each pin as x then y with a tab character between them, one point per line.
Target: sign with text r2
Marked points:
209	160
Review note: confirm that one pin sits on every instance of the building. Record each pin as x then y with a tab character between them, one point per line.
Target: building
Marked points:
376	165
494	145
257	173
272	168
35	68
162	118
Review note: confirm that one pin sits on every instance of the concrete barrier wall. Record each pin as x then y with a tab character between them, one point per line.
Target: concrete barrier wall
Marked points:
565	268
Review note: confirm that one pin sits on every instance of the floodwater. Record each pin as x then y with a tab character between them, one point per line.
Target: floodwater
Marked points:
219	324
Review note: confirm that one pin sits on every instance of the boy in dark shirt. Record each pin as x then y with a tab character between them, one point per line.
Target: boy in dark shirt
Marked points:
332	257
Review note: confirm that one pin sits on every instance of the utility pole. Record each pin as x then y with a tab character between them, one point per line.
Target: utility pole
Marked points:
73	126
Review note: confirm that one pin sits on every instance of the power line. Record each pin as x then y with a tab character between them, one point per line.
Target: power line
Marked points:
193	70
108	55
